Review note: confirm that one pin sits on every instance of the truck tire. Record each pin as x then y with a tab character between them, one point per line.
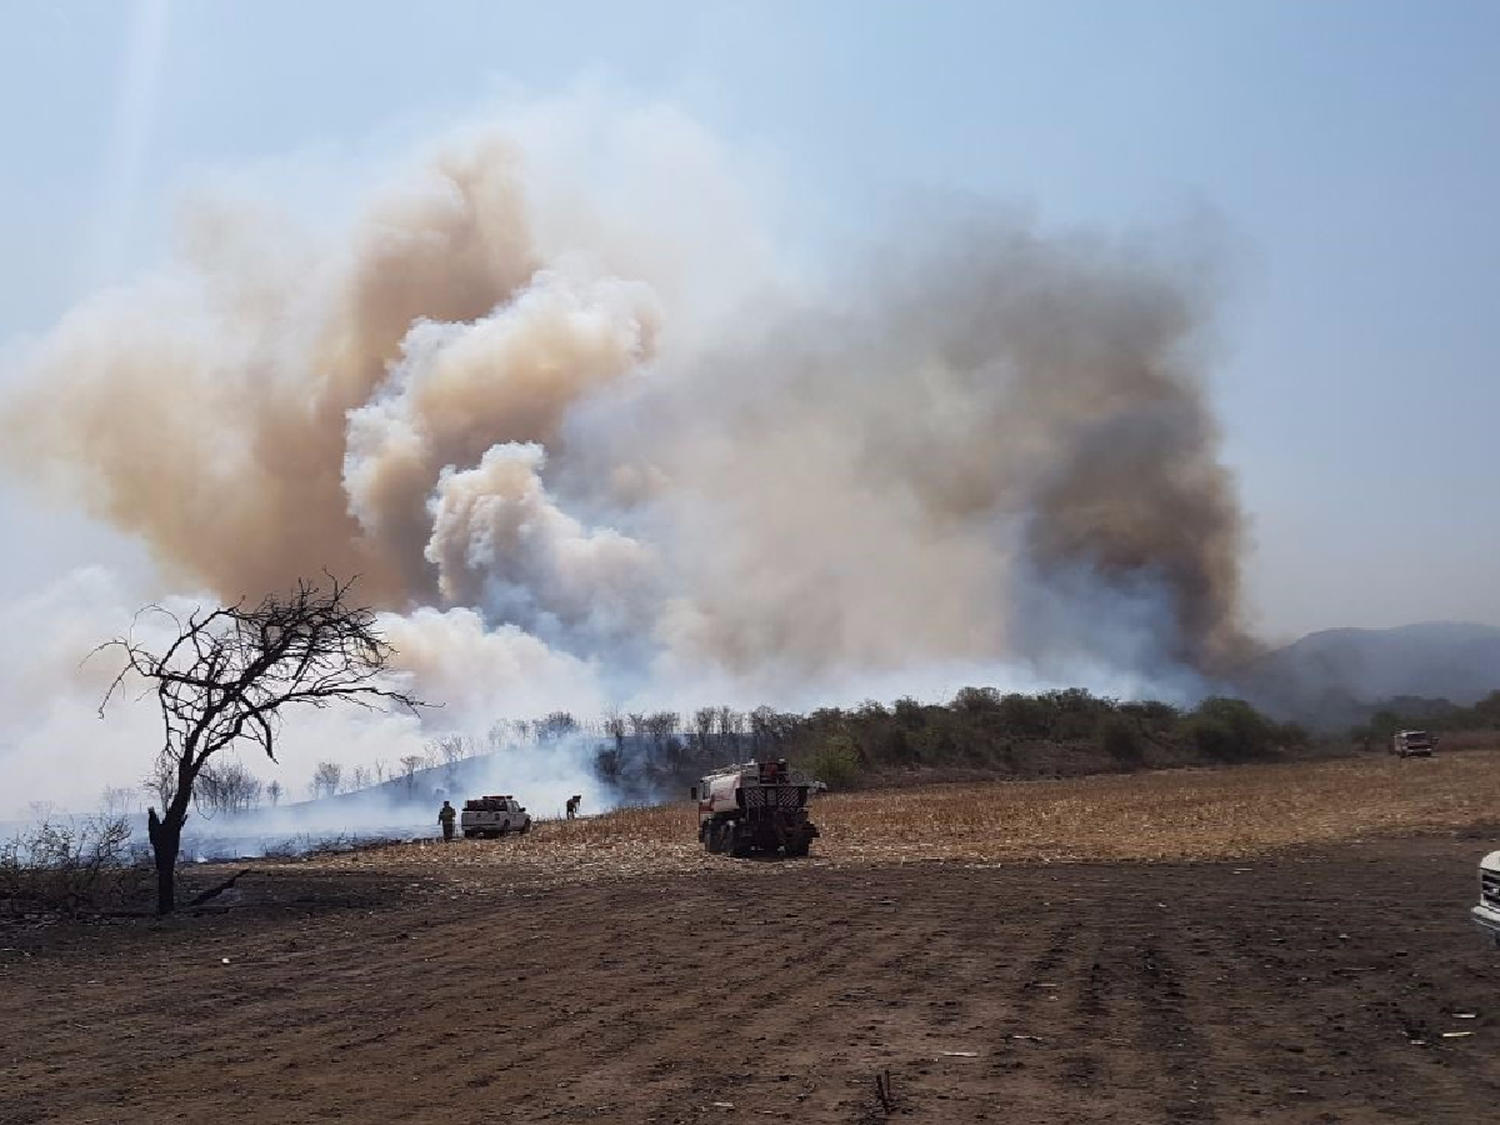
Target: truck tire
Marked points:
525	827
797	849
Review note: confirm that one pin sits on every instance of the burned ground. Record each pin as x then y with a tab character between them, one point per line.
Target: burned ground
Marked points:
1312	986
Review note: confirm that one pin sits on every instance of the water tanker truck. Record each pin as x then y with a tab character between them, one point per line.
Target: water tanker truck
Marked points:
755	807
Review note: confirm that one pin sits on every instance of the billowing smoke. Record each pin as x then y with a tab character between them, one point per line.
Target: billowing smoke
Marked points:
580	448
997	446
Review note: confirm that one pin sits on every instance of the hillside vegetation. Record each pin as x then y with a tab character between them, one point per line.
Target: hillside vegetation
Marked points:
1404	713
981	731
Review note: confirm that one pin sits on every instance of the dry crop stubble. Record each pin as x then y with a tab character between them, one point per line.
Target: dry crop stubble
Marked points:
1205	814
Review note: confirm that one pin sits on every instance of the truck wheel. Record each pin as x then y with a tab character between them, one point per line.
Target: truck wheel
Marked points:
797	849
525	827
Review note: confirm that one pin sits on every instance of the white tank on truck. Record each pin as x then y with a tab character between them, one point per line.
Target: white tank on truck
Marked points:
756	807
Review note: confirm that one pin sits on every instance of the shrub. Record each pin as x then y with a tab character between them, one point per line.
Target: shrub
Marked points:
71	866
1152	711
977	700
1119	739
909	713
1230	729
1292	734
1024	716
835	762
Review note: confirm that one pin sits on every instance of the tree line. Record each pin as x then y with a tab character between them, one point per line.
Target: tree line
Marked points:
1408	712
981	728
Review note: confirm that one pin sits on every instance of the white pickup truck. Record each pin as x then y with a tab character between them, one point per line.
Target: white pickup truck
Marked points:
496	815
1487	914
1413	744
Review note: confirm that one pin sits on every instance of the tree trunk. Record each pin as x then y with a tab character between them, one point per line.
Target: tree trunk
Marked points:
166	841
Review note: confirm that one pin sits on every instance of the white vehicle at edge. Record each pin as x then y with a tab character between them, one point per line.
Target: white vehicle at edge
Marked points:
496	815
1413	744
1487	914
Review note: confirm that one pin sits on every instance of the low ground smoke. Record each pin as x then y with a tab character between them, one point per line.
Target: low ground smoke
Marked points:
541	777
516	414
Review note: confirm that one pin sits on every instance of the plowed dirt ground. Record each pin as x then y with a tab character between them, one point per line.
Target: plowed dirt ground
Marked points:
1341	983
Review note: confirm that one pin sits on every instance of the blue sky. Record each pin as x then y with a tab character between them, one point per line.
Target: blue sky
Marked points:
1346	151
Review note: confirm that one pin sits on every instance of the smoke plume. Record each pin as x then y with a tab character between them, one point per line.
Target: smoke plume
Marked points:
600	450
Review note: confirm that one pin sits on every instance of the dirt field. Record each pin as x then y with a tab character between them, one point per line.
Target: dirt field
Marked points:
1333	983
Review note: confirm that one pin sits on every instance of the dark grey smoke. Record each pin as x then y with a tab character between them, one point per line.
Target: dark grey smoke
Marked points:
997	445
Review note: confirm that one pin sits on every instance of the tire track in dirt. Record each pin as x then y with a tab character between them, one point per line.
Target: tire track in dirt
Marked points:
767	963
1167	1029
1306	959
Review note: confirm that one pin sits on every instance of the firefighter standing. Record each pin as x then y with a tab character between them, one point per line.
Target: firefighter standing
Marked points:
445	818
573	803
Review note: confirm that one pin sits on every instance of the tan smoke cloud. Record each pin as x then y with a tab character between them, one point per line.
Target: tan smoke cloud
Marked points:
482	416
205	410
461	389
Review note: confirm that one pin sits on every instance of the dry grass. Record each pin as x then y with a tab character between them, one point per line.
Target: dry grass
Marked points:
1182	814
1177	815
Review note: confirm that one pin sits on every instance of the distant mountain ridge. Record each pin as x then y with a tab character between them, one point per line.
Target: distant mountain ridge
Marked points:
1333	677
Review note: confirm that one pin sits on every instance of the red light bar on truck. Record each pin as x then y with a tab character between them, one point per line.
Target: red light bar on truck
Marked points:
773	771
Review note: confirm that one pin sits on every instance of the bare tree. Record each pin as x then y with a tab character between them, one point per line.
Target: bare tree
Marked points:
453	748
554	725
117	802
661	725
731	726
326	778
703	723
273	793
229	675
763	729
410	764
161	782
360	779
227	787
498	736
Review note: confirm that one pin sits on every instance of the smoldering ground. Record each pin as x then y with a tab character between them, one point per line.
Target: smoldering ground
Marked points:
625	449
